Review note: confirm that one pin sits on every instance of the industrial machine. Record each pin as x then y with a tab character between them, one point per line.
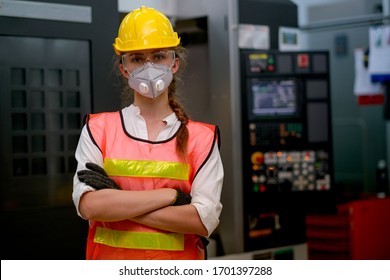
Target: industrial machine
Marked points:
287	144
59	71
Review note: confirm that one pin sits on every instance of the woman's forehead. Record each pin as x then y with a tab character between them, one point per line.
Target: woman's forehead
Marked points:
148	51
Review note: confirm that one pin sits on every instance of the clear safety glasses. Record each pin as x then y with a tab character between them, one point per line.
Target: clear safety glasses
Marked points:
134	60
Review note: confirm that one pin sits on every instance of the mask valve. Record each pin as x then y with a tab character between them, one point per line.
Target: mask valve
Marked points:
160	85
143	88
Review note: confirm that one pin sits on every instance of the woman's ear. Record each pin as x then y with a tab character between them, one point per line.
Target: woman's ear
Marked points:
123	70
175	66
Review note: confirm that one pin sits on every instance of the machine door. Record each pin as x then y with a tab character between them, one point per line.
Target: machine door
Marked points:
45	92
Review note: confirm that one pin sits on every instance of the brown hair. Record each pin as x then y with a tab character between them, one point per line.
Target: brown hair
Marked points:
127	98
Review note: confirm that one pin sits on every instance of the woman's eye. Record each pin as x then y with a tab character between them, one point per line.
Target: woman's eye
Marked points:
138	59
158	56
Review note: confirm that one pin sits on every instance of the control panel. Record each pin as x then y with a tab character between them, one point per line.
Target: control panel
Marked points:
287	143
280	133
284	171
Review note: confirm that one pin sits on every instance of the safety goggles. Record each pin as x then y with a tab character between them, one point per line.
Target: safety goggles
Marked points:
132	61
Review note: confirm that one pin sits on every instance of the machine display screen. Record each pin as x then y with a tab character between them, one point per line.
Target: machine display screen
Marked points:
273	98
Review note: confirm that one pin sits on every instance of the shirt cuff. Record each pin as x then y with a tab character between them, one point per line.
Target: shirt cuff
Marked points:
209	221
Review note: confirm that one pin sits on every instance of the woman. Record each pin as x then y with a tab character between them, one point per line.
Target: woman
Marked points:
148	179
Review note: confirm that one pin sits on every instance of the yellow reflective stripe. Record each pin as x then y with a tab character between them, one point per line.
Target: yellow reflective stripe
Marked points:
147	168
140	240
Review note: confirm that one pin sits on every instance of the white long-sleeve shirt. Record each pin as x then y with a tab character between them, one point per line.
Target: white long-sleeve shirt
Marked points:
206	187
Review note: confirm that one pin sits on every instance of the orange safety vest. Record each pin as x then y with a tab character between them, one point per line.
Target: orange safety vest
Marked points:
138	164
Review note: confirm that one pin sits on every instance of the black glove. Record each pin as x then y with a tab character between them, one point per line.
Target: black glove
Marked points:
96	177
182	198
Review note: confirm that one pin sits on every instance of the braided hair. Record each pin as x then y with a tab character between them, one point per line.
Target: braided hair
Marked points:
177	107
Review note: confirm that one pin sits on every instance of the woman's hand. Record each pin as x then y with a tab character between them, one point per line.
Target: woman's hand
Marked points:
96	177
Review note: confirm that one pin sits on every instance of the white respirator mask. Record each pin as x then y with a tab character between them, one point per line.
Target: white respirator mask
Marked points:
151	79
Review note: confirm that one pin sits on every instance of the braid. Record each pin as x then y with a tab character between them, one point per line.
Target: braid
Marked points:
182	134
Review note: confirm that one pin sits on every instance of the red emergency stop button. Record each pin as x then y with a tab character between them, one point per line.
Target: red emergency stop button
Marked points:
257	158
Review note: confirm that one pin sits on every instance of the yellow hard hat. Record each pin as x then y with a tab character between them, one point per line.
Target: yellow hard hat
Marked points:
145	28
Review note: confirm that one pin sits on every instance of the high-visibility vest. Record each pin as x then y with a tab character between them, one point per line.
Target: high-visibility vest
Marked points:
138	164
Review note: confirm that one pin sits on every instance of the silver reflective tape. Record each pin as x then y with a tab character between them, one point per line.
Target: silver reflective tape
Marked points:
46	11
